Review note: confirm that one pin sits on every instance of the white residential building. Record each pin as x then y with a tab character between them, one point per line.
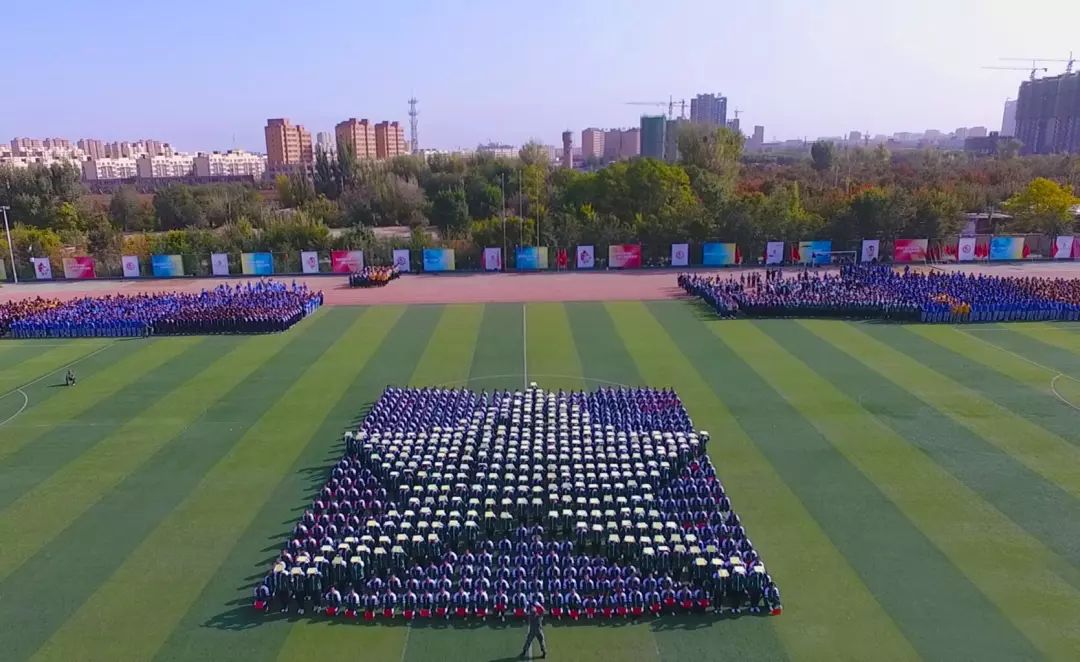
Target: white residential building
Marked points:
235	163
109	168
177	165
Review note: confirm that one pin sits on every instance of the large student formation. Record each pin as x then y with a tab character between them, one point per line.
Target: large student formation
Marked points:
449	503
867	291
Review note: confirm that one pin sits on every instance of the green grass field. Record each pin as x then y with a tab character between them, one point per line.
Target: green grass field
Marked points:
915	491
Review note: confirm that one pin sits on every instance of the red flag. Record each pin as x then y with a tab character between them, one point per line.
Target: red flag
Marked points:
738	255
1027	250
795	252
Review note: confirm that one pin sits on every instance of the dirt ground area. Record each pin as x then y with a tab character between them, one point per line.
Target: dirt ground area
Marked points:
484	288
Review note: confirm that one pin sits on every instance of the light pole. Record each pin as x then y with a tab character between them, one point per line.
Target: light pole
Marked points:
11	246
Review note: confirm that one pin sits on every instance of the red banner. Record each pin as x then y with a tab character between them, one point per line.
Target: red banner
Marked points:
77	268
344	262
909	250
624	256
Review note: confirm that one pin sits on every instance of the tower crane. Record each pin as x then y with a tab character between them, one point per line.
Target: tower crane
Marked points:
670	103
1069	62
1034	69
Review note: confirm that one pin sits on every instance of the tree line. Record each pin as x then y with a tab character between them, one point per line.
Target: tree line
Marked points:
713	192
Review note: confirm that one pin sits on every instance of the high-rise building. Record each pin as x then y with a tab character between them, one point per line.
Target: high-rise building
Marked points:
592	144
733	124
389	140
758	139
671	139
1008	118
852	136
709	109
567	149
93	148
287	145
653	136
357	136
977	132
622	144
1048	115
324	140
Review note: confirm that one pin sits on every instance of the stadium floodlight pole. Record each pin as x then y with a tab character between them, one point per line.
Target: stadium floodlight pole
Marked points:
502	181
11	247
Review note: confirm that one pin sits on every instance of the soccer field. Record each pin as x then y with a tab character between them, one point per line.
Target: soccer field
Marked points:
913	490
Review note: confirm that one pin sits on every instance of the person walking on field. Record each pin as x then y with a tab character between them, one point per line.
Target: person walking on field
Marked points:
536	630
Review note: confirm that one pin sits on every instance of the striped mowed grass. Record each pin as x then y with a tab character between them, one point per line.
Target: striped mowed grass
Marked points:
914	490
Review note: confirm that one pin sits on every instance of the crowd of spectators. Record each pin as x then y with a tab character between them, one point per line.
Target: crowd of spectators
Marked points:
253	307
881	292
373	276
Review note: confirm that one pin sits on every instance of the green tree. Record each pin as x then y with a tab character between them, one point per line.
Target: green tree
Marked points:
823	154
712	150
450	211
1043	206
294	190
533	153
127	212
175	207
35	194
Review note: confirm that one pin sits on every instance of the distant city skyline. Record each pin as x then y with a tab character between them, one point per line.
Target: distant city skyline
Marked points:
800	69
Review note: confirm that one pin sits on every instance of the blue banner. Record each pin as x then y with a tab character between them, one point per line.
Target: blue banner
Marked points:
718	255
438	259
531	258
167	266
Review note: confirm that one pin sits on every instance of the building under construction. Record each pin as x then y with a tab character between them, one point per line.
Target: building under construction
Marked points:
1048	115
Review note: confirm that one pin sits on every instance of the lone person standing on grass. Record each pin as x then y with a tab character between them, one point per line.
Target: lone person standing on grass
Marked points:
536	630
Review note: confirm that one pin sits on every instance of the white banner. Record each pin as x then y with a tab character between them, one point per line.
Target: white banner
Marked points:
965	249
401	259
493	259
42	268
309	262
131	266
219	264
1063	247
586	258
680	255
871	249
774	252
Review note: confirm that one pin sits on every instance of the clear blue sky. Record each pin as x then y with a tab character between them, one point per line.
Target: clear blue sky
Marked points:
206	75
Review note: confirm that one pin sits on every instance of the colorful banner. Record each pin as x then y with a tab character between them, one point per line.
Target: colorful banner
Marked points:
401	260
814	252
870	249
1006	248
680	255
1063	247
774	252
219	264
624	256
965	249
257	264
586	257
531	258
438	259
130	263
42	268
309	262
166	266
718	255
79	268
492	259
345	262
910	250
